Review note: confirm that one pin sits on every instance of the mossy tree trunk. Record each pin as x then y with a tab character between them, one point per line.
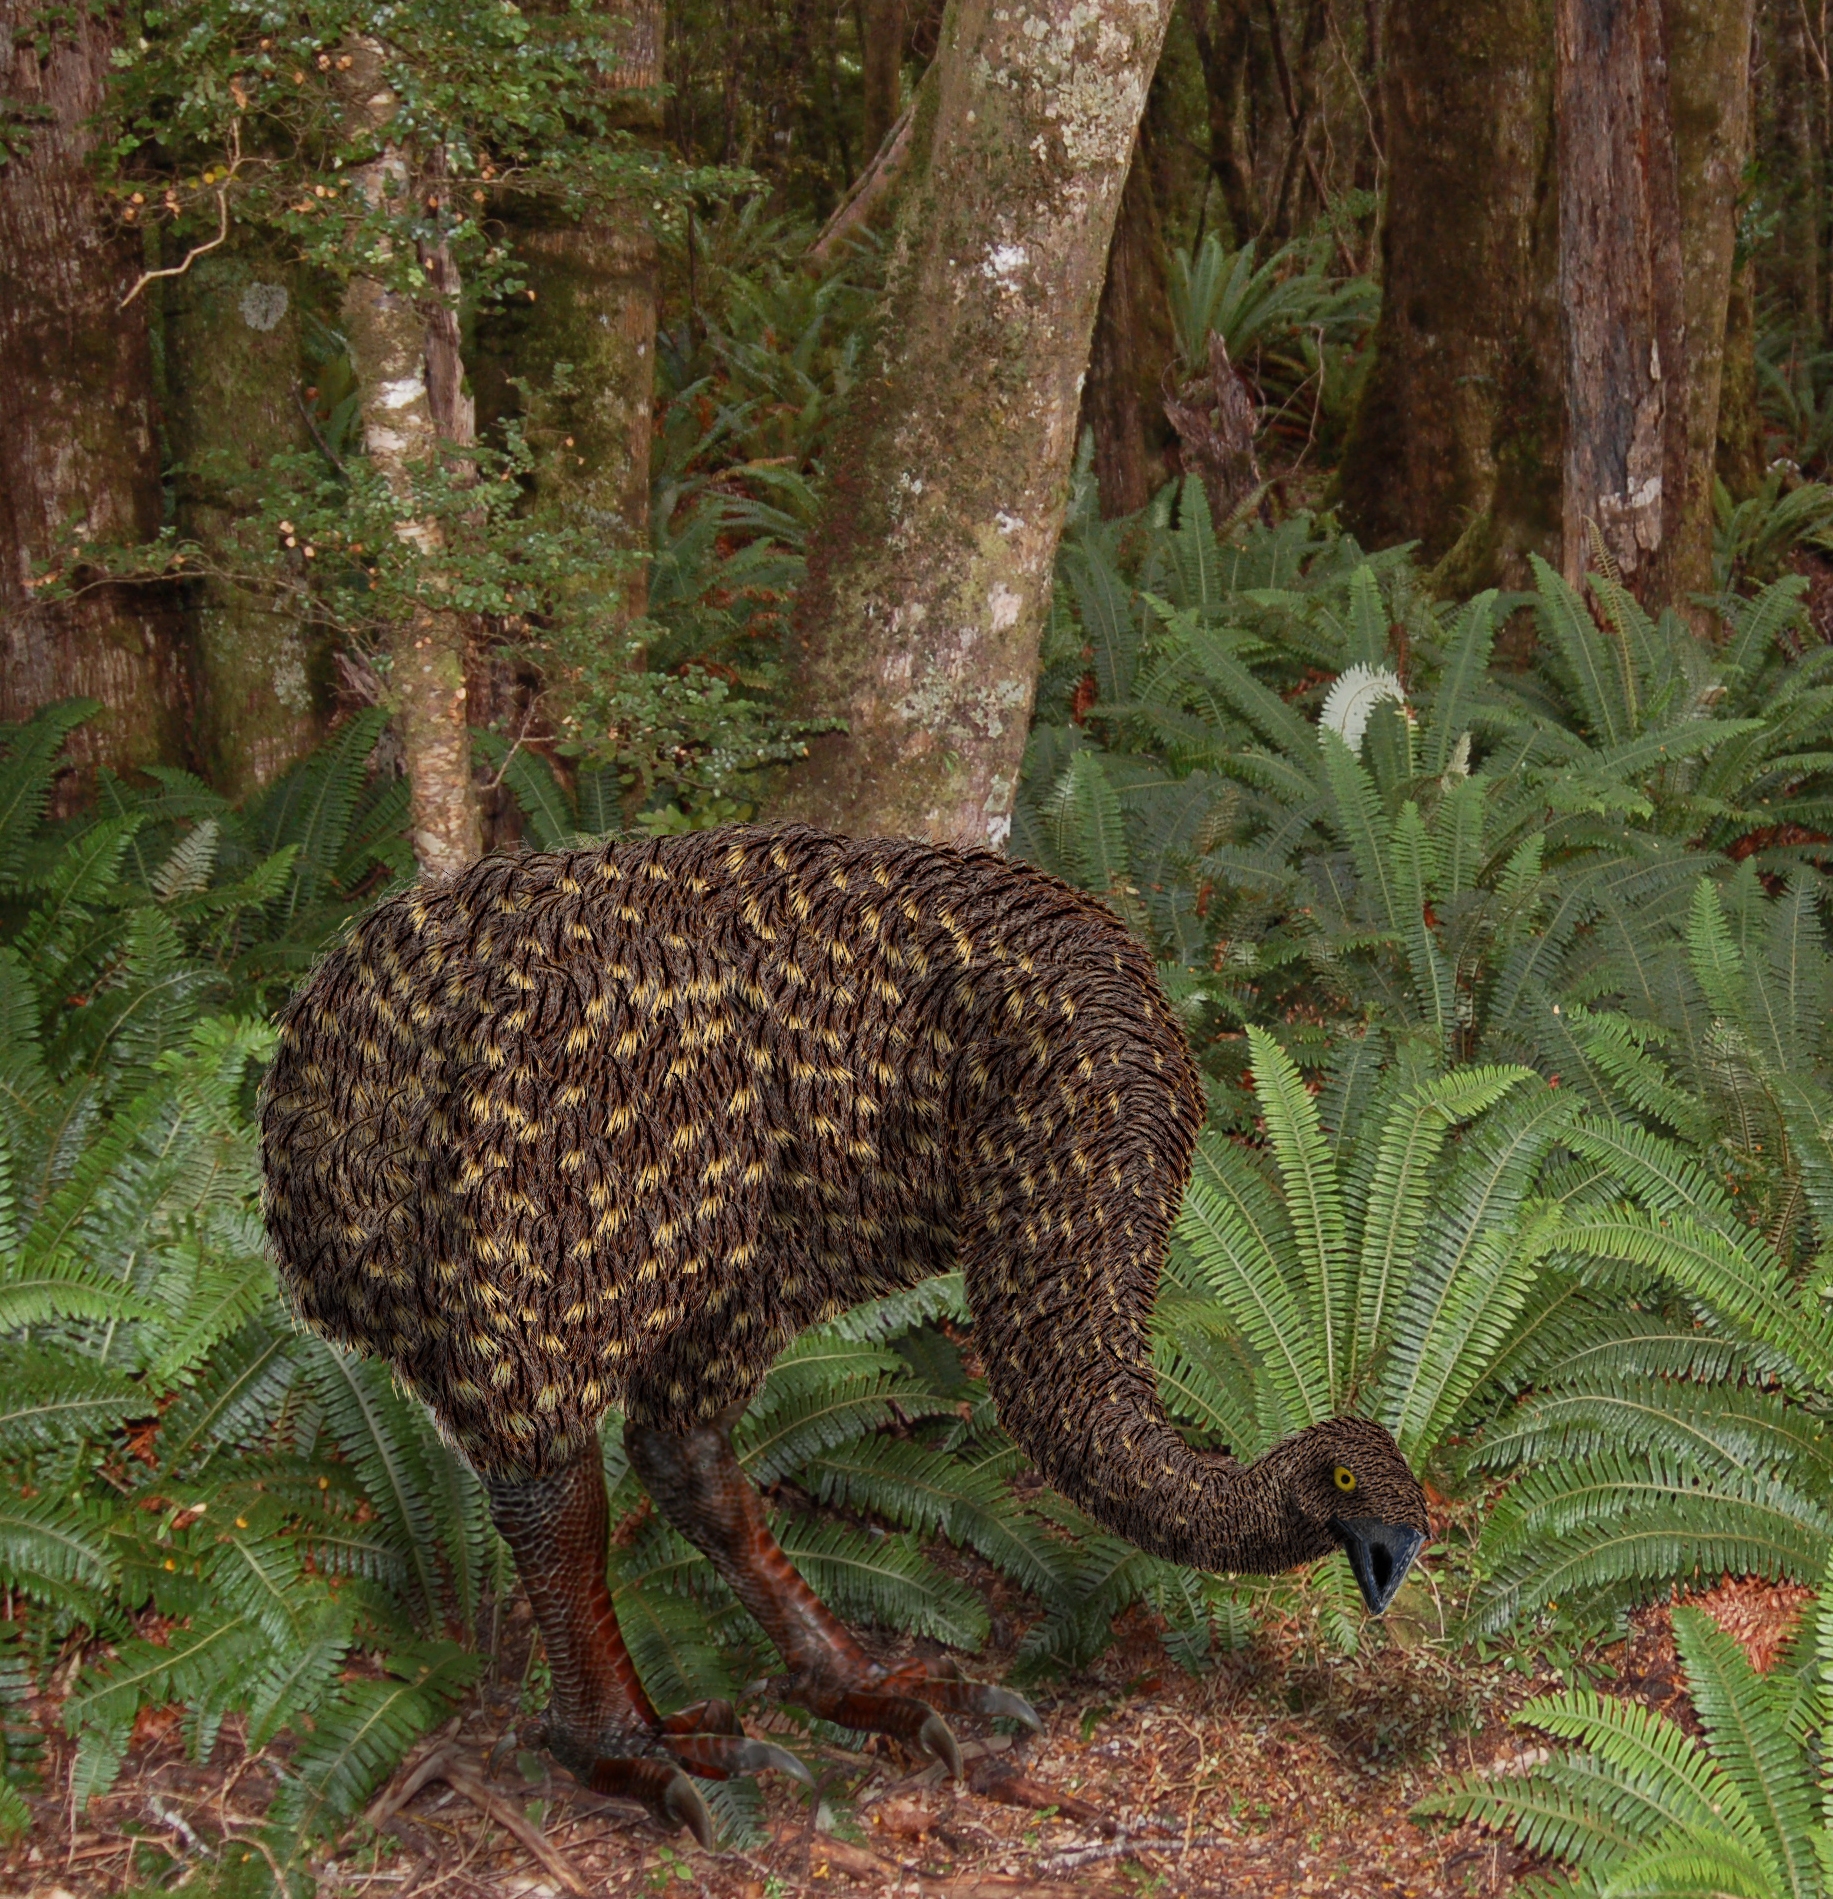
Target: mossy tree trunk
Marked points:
1123	400
234	371
1456	442
409	382
77	438
929	573
1709	92
1620	291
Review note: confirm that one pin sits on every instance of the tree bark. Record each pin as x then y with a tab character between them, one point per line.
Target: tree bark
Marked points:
412	399
1220	29
1709	90
882	58
1123	400
77	442
594	313
1456	440
1620	292
929	573
233	371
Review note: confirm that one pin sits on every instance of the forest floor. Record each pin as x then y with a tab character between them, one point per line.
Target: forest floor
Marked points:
1277	1772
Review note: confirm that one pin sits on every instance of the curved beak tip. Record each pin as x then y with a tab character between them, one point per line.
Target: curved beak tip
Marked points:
1380	1554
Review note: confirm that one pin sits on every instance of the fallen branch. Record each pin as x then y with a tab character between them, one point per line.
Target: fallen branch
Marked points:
446	1763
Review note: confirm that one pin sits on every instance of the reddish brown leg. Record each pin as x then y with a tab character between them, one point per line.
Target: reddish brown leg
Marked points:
695	1480
601	1726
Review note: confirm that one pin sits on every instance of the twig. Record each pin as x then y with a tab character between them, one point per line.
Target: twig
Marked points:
445	1763
311	422
222	235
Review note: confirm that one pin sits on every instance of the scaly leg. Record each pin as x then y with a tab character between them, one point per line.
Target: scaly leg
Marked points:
601	1726
694	1479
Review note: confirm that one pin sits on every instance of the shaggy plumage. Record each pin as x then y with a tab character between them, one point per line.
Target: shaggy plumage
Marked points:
613	1125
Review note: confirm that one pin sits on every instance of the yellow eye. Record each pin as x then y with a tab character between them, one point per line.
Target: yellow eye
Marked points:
1344	1478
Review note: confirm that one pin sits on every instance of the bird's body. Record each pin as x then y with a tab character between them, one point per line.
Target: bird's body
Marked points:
612	1125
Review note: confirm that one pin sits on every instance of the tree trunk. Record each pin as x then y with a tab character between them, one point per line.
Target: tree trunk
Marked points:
1456	440
1220	29
1620	291
594	311
1123	400
410	384
77	441
929	573
233	370
1739	454
882	57
1709	90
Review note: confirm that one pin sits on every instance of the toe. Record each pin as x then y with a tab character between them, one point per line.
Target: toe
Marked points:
682	1803
936	1738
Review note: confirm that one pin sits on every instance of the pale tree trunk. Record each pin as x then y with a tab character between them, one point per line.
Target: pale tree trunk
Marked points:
233	371
929	573
410	383
1456	441
1123	400
77	443
1709	87
1621	294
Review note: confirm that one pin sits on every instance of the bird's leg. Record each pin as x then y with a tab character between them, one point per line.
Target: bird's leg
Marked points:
601	1725
695	1480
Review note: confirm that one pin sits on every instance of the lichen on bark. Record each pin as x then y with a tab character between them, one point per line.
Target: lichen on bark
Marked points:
412	399
930	571
234	373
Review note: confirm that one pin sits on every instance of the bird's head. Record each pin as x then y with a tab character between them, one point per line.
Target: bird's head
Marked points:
1350	1489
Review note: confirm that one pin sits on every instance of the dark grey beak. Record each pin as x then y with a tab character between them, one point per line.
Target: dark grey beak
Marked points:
1380	1554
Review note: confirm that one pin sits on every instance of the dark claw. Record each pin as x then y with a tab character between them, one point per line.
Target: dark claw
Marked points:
935	1738
1002	1701
682	1803
755	1756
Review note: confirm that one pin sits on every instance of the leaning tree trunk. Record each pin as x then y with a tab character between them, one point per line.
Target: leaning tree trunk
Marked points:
233	370
929	572
1456	440
1129	364
1620	292
76	416
1709	90
412	401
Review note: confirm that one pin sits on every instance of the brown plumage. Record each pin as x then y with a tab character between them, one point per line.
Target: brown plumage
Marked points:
612	1126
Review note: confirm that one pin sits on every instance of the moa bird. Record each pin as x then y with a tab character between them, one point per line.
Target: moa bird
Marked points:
612	1126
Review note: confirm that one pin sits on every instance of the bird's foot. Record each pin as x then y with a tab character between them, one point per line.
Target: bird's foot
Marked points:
706	1740
908	1701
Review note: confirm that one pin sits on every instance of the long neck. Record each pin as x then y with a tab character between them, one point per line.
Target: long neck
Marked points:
1076	1165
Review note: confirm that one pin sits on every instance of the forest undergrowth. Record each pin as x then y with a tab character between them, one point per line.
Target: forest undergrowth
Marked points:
1500	928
